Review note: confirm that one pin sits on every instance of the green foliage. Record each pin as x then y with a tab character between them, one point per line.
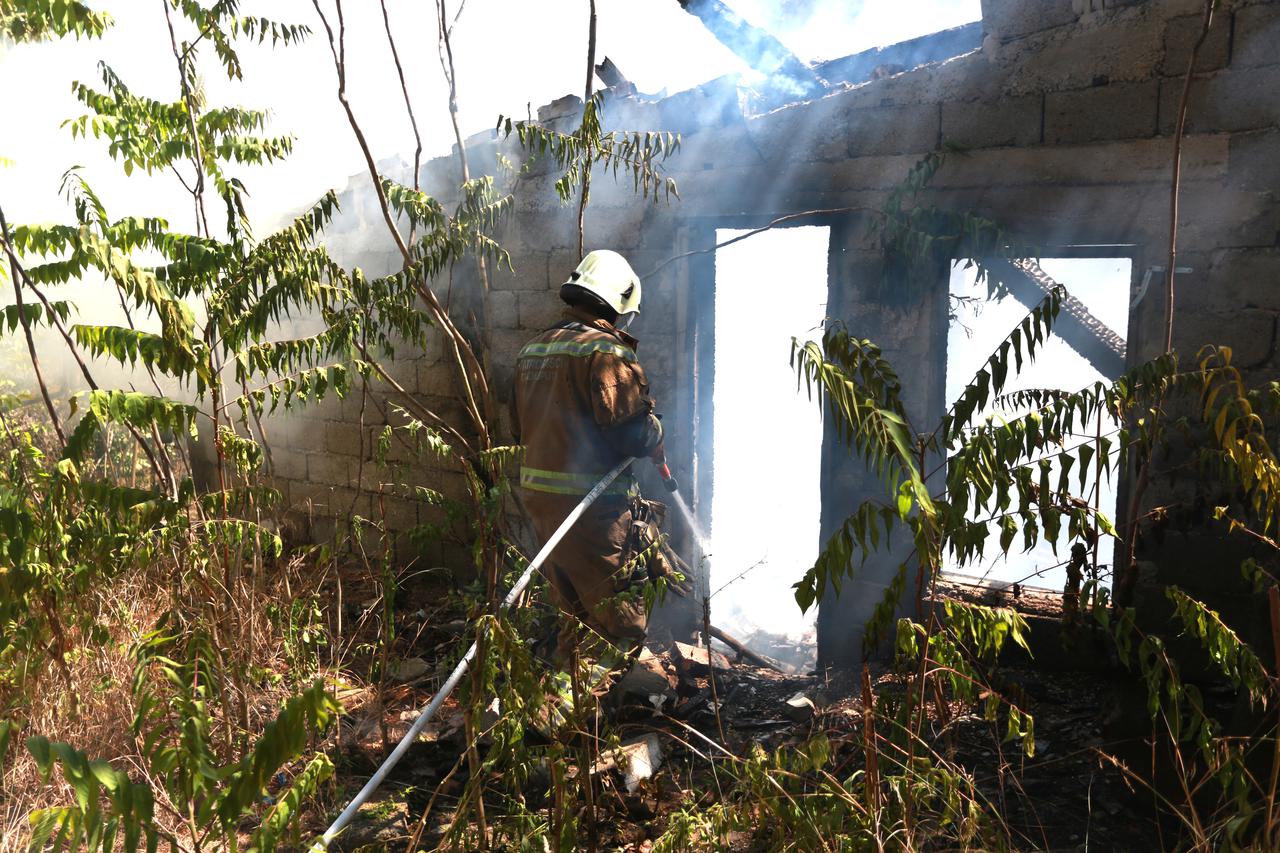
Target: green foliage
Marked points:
128	816
917	240
34	20
1225	648
793	800
635	153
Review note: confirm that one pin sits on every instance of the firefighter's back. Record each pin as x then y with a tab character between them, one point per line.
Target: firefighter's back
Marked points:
557	402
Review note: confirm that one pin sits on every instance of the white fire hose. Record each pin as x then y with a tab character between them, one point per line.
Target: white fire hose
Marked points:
451	682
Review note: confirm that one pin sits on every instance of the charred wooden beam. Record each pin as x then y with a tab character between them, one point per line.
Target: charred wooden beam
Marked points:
744	651
610	74
755	46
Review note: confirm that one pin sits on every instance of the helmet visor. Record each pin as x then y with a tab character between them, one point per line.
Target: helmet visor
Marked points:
624	320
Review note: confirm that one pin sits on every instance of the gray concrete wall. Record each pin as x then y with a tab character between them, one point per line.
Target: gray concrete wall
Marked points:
1066	114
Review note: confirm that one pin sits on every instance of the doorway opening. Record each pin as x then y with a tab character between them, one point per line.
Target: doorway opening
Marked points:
1077	354
767	438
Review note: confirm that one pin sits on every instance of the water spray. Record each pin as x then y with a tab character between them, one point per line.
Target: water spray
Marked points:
669	480
322	843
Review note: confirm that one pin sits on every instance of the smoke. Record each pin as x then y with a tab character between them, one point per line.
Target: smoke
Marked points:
823	30
296	85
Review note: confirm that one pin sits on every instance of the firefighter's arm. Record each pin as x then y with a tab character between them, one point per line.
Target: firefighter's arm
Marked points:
622	406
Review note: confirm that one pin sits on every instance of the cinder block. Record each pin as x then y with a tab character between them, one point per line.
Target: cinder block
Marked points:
1257	36
1212	217
375	477
1230	100
818	128
568	105
401	514
984	124
559	265
1009	19
502	309
329	469
507	344
1248	278
539	311
528	273
1249	333
346	437
309	497
1180	36
714	149
1254	160
434	378
550	224
893	130
1115	111
620	230
400	366
441	175
1127	162
288	464
712	104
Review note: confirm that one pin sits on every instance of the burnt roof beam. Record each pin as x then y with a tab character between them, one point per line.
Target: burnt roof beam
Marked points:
1076	325
755	46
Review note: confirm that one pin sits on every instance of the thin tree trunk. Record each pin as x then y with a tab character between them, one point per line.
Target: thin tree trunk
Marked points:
586	101
26	330
1176	184
468	365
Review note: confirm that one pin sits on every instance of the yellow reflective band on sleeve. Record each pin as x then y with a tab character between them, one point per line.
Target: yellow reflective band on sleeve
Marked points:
567	483
577	349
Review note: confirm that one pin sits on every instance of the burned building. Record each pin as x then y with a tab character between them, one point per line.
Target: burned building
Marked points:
1061	115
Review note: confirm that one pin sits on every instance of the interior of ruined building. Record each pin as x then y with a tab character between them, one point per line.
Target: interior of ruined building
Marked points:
1058	114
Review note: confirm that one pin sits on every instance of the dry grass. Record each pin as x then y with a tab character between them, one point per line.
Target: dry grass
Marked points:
89	702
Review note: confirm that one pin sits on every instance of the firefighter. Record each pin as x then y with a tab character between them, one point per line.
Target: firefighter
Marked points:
581	405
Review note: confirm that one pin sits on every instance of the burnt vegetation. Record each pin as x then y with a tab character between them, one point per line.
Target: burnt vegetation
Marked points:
185	666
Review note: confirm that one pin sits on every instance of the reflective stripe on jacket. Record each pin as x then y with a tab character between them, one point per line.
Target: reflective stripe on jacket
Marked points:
581	404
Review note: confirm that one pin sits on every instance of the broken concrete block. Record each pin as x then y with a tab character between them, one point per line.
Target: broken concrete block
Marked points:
695	660
649	676
637	759
408	669
799	708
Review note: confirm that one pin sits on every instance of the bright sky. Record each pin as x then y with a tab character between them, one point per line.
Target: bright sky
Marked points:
510	54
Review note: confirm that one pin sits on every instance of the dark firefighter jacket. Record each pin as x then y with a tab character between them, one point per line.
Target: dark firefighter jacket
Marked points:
581	405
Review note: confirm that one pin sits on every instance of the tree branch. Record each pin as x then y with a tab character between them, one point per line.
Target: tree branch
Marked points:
26	329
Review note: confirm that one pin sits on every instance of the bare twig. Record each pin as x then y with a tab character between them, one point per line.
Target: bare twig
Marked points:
408	104
1176	184
711	670
781	220
197	157
586	103
471	373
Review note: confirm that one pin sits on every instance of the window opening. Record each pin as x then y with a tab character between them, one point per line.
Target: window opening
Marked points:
1099	286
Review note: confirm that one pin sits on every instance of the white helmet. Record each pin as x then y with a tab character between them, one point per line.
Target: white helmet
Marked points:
608	275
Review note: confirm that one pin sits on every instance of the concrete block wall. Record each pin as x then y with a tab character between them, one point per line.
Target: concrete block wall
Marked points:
1065	115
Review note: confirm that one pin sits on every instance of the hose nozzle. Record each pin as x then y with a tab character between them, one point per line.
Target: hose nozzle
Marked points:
668	480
